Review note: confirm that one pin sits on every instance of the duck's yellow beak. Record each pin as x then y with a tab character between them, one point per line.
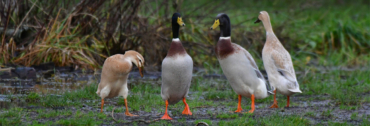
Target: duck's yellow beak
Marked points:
216	24
180	22
141	69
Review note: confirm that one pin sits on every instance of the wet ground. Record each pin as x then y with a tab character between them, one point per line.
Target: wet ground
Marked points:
320	112
318	109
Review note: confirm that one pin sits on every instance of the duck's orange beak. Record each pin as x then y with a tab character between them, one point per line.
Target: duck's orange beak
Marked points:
141	71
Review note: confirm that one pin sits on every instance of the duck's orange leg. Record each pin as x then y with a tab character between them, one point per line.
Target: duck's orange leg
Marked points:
102	105
127	113
239	104
166	116
252	106
287	104
275	105
186	109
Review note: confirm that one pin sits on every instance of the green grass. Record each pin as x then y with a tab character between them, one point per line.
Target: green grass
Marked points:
346	90
12	116
338	123
274	119
142	95
14	112
161	123
53	113
33	97
327	113
310	114
330	32
283	120
72	98
83	119
354	116
227	116
10	122
345	87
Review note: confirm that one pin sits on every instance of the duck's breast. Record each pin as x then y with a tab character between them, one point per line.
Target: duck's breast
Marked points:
176	77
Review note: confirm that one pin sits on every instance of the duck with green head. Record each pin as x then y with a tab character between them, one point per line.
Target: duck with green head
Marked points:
177	70
238	65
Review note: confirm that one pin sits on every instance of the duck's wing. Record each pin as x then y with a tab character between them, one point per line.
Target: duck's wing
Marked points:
255	67
284	65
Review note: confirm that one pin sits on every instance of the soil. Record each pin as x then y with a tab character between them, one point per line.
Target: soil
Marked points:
322	108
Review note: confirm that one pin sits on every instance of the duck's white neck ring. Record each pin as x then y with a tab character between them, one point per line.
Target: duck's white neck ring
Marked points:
225	37
175	39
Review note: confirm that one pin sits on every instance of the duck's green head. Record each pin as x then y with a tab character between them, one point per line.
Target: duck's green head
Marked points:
223	21
177	20
176	24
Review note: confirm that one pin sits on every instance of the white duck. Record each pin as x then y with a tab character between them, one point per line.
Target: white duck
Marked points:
177	69
278	63
238	65
114	76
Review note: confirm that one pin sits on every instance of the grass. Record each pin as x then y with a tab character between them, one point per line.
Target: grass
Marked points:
345	87
12	116
33	97
291	120
354	115
324	38
145	97
274	119
310	114
227	116
327	113
83	119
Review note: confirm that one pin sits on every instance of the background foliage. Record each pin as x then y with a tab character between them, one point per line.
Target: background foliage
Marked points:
84	32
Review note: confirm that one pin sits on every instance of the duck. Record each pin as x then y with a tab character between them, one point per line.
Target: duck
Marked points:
277	62
239	66
177	71
114	76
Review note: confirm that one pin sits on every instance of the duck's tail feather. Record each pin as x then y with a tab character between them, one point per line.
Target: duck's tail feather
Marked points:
271	92
270	89
295	90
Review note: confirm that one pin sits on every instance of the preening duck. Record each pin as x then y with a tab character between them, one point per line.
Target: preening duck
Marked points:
177	70
114	76
278	63
238	65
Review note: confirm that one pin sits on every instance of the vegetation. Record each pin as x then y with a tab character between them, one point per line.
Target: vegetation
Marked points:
69	33
319	87
329	42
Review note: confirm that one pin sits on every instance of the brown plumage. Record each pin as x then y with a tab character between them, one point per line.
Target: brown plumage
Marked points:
176	48
115	73
224	48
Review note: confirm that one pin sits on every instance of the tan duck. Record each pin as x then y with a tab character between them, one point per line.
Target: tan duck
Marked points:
278	63
238	65
177	70
114	76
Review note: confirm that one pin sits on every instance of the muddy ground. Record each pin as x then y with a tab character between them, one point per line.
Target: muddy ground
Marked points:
318	109
320	112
